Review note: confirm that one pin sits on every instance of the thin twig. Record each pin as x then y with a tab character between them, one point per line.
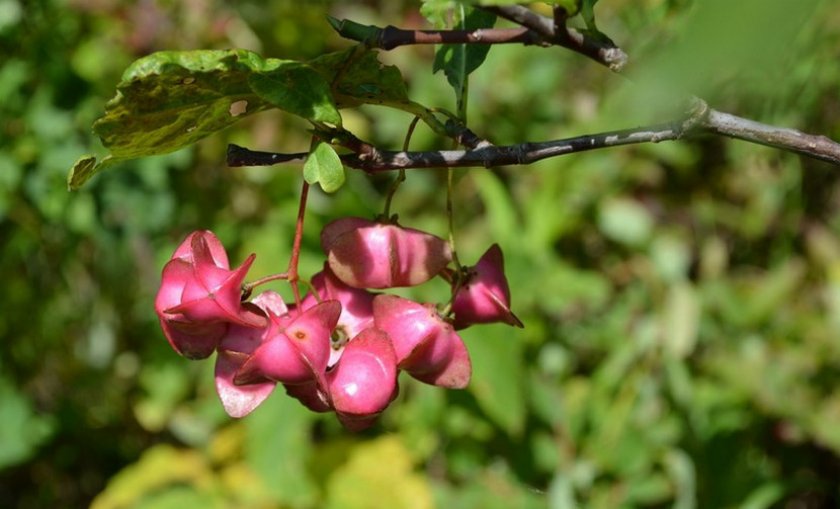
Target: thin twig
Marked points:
239	156
701	121
292	271
535	29
391	37
554	31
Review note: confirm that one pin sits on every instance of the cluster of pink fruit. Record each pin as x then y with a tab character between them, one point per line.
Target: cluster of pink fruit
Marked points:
342	348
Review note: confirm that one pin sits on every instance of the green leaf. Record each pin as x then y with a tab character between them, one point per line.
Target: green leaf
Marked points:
587	11
299	89
358	77
324	167
681	470
171	99
459	60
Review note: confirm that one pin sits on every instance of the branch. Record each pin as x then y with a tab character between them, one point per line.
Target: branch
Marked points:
555	31
816	146
535	29
702	120
392	37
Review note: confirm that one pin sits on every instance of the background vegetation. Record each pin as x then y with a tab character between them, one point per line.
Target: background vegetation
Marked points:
681	300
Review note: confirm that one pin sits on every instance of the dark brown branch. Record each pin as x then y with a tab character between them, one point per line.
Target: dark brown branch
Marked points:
555	31
240	156
392	37
535	29
372	160
701	120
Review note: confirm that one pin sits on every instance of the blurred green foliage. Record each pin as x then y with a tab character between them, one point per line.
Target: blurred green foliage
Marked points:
681	301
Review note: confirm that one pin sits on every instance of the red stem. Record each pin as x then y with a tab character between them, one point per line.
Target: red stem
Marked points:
247	288
292	271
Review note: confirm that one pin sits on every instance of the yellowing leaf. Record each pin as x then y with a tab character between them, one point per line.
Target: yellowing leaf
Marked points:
378	475
171	99
159	467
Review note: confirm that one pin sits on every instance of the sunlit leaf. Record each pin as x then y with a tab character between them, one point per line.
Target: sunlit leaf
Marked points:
324	167
160	467
171	99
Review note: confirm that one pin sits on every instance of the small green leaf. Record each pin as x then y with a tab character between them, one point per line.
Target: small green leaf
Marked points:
324	167
587	11
299	89
459	60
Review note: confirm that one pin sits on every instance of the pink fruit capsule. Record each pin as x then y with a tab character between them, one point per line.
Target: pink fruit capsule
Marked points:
364	381
369	254
426	346
294	352
484	297
199	296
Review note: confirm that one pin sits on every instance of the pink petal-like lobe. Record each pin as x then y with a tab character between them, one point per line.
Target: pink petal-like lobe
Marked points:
356	308
234	349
